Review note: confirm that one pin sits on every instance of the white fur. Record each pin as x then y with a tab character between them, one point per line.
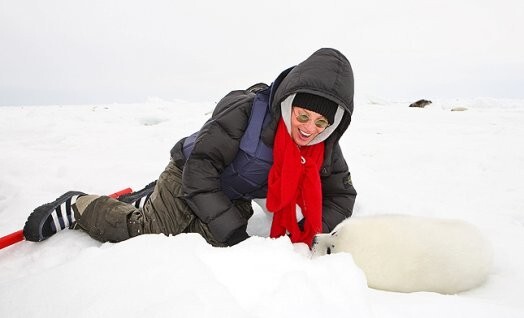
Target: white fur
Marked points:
409	254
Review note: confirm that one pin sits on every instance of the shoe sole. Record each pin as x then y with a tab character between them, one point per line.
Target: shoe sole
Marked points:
52	213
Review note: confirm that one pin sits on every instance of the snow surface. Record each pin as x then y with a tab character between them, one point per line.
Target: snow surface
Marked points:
430	162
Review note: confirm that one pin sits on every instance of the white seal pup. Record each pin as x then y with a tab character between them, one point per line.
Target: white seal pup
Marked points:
409	254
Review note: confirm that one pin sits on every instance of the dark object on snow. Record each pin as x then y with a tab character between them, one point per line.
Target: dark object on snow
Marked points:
420	103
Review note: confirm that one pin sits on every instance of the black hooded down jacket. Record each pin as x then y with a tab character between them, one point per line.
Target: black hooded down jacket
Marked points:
326	73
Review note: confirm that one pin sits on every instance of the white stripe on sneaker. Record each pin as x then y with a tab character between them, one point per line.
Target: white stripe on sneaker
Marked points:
63	210
54	216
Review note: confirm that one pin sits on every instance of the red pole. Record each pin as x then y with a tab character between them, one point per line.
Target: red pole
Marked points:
11	239
120	193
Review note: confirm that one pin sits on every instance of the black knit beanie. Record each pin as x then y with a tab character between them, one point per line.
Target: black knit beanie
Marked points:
317	104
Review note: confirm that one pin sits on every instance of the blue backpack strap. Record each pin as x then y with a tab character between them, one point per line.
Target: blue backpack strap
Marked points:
249	141
259	111
189	142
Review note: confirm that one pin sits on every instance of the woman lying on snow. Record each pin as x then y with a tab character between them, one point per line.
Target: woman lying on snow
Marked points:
278	142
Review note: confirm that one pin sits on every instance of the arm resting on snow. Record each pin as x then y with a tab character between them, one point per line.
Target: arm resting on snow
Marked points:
215	148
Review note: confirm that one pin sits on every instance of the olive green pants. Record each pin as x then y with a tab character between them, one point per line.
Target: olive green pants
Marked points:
106	219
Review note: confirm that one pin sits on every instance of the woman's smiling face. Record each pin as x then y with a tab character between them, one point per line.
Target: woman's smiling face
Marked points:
306	125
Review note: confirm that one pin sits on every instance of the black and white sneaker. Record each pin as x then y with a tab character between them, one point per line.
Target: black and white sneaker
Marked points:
138	198
52	217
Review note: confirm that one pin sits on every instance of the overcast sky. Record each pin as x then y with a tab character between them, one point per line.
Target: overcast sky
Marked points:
81	52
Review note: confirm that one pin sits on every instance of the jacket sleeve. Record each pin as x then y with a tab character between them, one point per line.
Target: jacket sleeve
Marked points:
215	148
338	193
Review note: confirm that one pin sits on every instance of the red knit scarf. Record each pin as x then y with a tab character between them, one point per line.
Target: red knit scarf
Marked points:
294	179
